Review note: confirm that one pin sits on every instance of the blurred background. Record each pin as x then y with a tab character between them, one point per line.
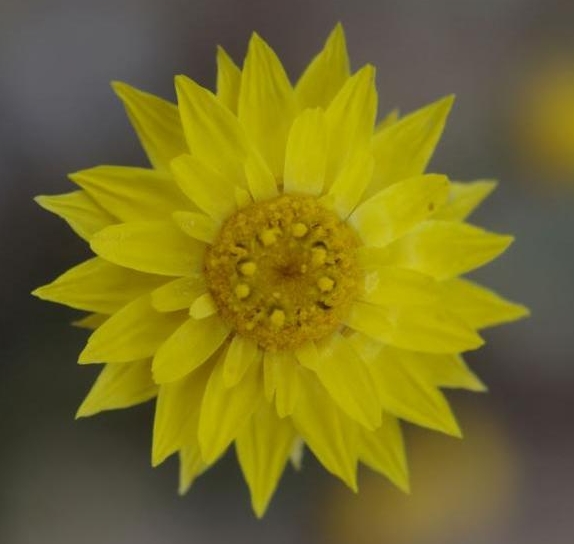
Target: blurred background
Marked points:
511	64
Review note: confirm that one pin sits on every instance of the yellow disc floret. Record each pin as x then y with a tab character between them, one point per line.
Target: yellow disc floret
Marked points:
283	271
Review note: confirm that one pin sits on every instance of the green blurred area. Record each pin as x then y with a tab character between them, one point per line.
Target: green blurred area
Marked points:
90	481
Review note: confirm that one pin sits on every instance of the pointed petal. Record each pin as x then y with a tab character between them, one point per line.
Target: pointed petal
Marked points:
191	345
228	80
212	131
392	212
191	466
98	286
261	182
443	249
429	329
131	194
203	306
91	321
347	189
157	247
403	149
329	433
351	118
242	353
225	411
346	378
390	119
178	294
209	190
266	103
197	225
79	210
177	414
480	307
443	371
119	386
463	199
326	73
383	450
306	154
263	448
134	332
156	123
405	394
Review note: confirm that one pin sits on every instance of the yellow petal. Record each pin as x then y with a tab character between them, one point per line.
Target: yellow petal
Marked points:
330	434
326	73
224	410
209	190
242	353
203	306
390	119
351	118
228	80
308	355
191	345
157	247
261	182
212	131
79	210
281	375
429	329
346	378
178	294
443	371
394	211
390	286
98	286
383	450
347	189
131	194
156	123
405	394
464	198
197	225
91	321
266	103
263	448
306	155
119	386
191	466
177	414
479	307
443	249
297	452
403	149
134	332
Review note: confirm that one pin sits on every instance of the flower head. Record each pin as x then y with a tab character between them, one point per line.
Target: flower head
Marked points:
284	274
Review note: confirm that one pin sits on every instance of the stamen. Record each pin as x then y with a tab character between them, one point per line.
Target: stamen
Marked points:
248	268
277	318
242	291
325	284
298	230
268	237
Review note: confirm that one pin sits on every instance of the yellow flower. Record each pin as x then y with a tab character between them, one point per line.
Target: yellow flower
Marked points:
285	274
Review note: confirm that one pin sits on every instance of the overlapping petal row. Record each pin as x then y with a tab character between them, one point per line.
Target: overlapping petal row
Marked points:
158	331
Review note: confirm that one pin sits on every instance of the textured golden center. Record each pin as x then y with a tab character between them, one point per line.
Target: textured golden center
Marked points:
283	271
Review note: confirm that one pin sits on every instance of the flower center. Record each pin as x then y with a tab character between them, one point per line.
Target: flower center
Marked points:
283	271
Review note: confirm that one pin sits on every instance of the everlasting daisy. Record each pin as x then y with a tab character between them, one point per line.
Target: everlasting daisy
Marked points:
284	275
